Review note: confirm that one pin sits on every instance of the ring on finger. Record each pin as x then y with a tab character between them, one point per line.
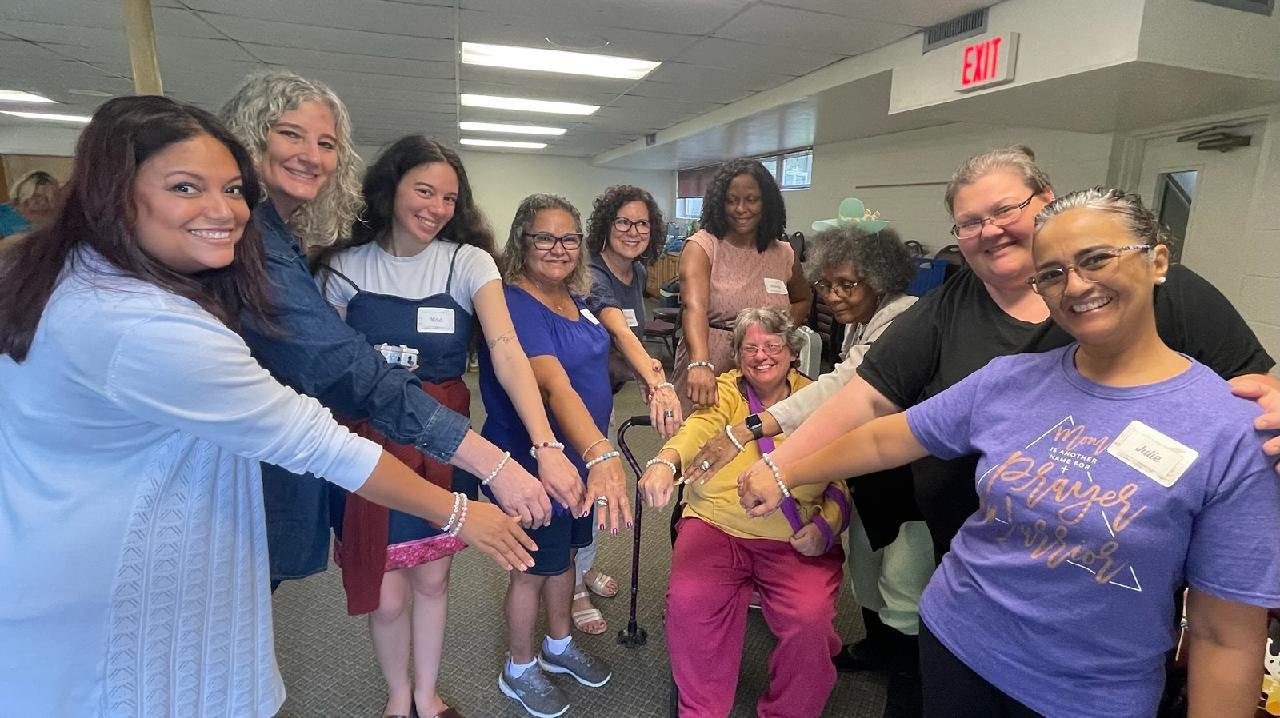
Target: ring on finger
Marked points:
705	466
602	501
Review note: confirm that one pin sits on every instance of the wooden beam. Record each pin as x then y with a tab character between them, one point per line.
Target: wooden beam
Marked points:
141	32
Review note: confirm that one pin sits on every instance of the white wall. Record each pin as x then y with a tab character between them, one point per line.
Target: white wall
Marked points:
1260	286
924	160
500	181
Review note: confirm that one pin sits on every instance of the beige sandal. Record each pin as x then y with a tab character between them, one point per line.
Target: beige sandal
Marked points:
588	616
599	585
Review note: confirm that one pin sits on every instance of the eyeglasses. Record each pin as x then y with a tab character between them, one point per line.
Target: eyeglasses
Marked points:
1000	217
546	241
772	350
622	224
843	288
1092	267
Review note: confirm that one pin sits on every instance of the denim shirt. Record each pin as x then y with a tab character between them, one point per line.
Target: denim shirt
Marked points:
318	354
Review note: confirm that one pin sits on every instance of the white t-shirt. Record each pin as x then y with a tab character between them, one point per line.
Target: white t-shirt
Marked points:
373	269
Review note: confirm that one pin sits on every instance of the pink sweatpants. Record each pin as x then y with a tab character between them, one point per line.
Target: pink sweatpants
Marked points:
712	575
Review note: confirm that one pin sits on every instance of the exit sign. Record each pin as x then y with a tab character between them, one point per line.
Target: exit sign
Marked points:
988	62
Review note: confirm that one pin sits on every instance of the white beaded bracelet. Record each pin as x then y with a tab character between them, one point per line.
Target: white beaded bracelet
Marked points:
663	385
611	454
533	450
593	445
458	496
462	518
728	431
777	474
706	364
670	465
506	455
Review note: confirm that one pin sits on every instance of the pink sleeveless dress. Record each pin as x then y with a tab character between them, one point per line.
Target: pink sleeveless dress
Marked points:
740	278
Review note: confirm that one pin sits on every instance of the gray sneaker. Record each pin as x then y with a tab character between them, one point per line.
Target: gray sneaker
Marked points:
584	667
534	691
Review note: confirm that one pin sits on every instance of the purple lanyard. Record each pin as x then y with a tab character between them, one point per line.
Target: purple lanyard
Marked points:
790	508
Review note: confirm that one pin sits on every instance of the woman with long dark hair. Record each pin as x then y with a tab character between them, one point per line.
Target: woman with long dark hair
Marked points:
132	538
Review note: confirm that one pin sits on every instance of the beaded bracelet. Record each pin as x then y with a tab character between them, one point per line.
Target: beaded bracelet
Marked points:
611	454
533	450
506	455
457	529
728	431
706	364
663	385
670	465
458	496
592	445
777	474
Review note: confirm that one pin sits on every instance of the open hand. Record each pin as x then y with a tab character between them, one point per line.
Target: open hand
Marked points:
607	479
499	535
657	484
520	493
560	478
1268	398
702	386
715	453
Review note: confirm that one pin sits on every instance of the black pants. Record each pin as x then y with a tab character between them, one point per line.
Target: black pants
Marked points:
953	690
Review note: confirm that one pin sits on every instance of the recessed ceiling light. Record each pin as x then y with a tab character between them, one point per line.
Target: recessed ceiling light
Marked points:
519	103
566	63
503	143
47	116
513	129
20	96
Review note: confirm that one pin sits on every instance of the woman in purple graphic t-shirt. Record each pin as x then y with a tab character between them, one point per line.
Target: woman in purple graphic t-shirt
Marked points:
1112	472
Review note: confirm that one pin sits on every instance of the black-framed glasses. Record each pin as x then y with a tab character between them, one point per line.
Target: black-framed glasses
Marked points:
1092	267
843	288
624	225
1000	217
546	241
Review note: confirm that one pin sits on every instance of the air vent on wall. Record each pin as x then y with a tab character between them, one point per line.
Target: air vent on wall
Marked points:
957	28
1262	7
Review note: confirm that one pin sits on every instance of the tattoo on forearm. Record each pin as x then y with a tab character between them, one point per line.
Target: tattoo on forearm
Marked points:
494	342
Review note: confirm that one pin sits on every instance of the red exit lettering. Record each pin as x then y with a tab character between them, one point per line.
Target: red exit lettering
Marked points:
981	62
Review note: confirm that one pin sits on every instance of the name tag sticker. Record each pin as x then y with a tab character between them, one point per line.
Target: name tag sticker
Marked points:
1147	451
590	317
630	314
435	320
775	286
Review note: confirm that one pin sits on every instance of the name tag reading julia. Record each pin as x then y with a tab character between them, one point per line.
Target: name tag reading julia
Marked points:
435	320
1160	458
590	317
774	286
630	314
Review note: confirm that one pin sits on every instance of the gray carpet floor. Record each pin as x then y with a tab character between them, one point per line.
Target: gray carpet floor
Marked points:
329	669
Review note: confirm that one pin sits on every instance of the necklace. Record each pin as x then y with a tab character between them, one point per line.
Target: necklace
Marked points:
558	305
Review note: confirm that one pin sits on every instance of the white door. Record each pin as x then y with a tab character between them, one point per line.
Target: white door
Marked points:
1222	188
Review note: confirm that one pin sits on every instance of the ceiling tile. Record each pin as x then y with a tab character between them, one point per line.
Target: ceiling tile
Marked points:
789	27
753	57
669	16
299	58
377	16
266	32
920	13
505	28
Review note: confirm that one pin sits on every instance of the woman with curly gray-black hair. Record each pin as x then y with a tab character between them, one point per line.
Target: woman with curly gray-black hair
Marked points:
860	268
738	260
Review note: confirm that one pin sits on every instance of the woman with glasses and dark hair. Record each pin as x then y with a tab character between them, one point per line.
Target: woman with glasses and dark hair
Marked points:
415	276
989	310
567	334
737	260
132	538
792	559
620	231
1110	473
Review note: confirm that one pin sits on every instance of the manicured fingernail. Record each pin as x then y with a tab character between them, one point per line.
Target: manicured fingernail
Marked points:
615	530
630	525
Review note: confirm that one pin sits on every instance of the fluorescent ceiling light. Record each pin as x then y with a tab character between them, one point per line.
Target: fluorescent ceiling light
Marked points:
566	63
513	129
503	143
519	103
47	116
20	96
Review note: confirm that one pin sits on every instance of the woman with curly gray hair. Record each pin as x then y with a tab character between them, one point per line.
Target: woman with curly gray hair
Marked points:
300	137
860	268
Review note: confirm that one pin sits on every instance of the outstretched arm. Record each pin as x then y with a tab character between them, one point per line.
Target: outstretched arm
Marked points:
661	394
880	444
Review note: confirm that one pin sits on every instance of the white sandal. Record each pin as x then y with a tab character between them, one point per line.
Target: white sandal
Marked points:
585	617
598	584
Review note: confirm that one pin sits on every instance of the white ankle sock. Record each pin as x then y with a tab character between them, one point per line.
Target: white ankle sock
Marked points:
556	646
515	670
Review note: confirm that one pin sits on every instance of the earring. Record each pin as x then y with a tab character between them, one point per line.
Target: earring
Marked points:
1160	279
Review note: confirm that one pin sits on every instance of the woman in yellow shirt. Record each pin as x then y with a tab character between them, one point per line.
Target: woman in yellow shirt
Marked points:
792	558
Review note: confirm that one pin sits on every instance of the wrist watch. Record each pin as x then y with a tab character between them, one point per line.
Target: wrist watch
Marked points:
755	425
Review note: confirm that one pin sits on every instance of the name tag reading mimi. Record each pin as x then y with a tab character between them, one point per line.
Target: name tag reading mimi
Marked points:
630	314
590	317
435	320
774	286
1160	458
